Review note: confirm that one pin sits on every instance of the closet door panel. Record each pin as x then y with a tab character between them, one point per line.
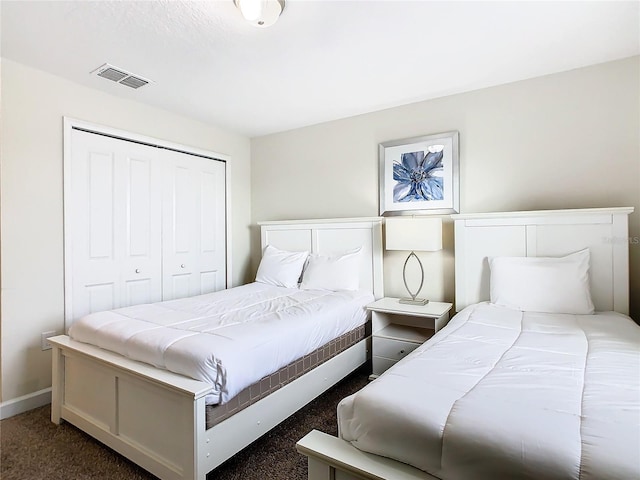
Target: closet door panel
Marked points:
99	297
92	198
138	207
184	210
142	256
98	265
209	281
194	252
99	186
212	247
180	287
179	221
114	236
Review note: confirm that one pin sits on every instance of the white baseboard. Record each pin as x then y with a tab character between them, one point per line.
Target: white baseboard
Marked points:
25	403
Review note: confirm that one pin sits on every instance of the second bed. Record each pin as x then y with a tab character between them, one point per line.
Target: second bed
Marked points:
537	376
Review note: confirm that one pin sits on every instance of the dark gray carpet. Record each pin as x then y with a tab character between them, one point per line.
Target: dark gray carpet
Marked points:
34	448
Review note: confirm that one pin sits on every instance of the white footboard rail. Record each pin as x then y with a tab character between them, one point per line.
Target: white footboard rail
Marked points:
157	419
151	416
331	458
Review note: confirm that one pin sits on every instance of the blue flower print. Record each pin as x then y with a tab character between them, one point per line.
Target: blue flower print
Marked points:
419	176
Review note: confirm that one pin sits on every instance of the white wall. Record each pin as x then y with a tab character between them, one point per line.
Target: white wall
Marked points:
566	140
33	104
560	141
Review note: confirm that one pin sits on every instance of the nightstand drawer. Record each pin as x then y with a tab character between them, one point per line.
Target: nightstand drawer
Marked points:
392	349
381	365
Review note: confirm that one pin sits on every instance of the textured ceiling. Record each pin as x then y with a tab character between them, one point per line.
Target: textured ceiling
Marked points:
322	60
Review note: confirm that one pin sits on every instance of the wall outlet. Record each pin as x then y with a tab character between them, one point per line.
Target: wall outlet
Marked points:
44	342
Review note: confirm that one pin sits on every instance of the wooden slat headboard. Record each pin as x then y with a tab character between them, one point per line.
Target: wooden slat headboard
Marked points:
551	233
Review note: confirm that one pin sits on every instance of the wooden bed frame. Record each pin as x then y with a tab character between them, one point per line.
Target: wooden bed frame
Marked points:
478	236
157	418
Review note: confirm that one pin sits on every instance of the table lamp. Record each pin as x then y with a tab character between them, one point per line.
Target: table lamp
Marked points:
414	234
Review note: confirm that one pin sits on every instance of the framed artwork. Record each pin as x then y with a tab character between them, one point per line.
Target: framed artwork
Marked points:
420	175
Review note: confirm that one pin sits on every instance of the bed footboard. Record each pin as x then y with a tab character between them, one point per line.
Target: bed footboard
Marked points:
157	419
331	458
153	417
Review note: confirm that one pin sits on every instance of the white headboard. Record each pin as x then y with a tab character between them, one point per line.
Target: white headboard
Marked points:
545	233
333	236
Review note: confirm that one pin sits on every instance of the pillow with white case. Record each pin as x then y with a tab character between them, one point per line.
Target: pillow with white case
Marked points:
332	272
280	267
542	284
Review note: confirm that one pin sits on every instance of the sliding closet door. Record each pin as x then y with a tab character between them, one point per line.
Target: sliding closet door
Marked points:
113	197
194	235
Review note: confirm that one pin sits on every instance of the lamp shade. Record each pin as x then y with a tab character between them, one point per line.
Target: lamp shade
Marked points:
413	234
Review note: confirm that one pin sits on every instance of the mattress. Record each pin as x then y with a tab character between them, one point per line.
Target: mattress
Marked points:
230	339
501	393
287	374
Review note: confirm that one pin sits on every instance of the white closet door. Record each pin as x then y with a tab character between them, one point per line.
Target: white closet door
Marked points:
194	235
114	198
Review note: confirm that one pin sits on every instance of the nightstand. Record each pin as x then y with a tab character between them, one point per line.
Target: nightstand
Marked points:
399	329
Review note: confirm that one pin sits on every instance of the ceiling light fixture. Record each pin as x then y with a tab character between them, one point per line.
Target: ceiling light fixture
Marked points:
260	13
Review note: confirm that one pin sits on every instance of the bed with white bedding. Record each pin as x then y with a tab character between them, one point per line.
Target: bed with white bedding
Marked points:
231	338
506	391
502	393
139	378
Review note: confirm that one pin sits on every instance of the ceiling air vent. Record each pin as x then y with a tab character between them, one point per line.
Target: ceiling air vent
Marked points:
120	76
133	82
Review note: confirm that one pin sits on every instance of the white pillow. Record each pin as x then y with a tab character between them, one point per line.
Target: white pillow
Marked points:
281	268
332	272
542	284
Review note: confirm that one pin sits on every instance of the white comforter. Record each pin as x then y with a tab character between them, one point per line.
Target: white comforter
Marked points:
230	338
500	393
